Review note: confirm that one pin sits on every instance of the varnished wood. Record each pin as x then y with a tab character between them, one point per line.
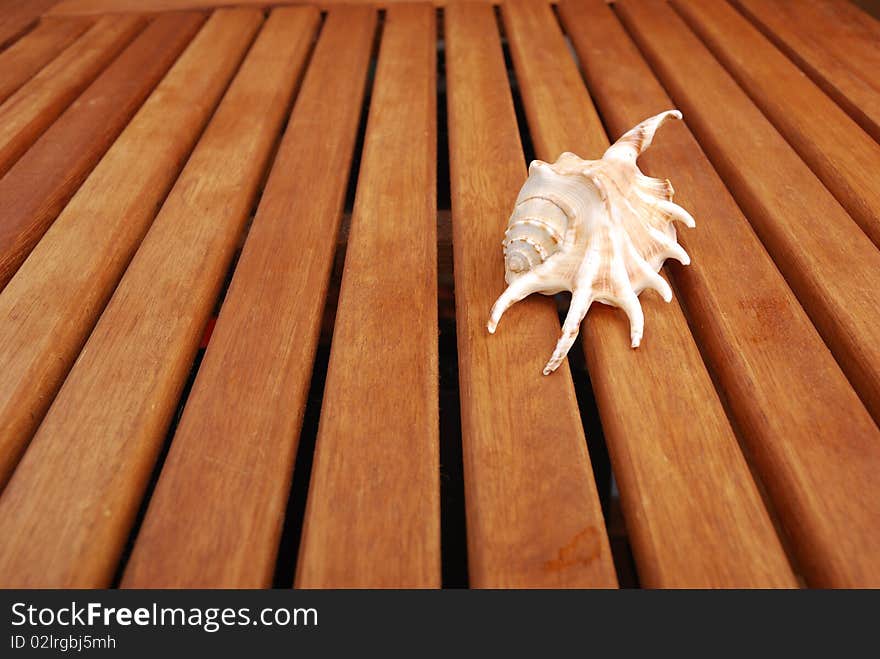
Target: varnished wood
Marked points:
373	511
32	52
49	307
800	420
114	409
533	513
215	517
18	16
835	43
35	190
81	7
695	516
840	153
827	259
29	111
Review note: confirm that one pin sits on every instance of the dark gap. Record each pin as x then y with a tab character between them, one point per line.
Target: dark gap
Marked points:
524	135
21	32
606	485
592	424
294	517
273	152
209	325
453	524
362	127
453	518
288	546
444	200
621	550
157	469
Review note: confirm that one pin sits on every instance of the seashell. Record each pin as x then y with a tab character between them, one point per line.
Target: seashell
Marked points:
598	228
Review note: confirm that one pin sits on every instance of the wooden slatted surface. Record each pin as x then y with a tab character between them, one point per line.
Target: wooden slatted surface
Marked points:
39	184
140	352
827	259
57	295
18	16
89	7
838	151
375	489
216	486
512	434
834	43
677	460
740	433
21	61
804	451
28	112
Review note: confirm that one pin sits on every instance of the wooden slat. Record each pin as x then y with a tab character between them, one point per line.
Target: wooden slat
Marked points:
373	510
80	7
31	53
38	186
216	490
841	154
811	440
49	307
835	43
114	409
17	16
826	258
533	513
693	511
27	113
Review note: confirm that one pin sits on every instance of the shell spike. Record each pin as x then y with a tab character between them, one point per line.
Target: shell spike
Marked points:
521	287
655	281
633	309
637	139
577	311
676	212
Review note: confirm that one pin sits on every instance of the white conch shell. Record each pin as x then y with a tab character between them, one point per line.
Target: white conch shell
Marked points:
598	228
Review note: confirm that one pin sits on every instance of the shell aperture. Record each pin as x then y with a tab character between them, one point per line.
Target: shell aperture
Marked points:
598	228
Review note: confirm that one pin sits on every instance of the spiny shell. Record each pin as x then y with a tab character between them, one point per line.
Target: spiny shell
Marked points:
598	228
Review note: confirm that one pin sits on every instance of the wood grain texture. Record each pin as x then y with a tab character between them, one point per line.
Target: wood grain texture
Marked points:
115	406
32	52
827	259
835	43
808	434
217	488
29	111
17	16
694	514
51	305
373	511
85	7
44	179
840	153
533	513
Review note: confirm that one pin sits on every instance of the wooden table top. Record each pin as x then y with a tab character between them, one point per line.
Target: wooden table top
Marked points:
248	250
